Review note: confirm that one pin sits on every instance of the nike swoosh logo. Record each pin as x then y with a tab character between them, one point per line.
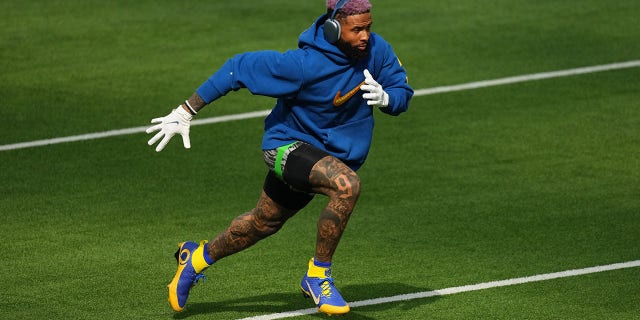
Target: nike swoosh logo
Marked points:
315	299
340	100
176	122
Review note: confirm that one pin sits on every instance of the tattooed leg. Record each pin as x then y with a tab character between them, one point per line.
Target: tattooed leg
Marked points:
333	178
247	229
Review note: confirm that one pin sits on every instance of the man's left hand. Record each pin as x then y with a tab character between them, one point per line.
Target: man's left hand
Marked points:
376	96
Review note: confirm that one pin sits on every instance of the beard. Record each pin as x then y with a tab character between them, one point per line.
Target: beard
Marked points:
352	51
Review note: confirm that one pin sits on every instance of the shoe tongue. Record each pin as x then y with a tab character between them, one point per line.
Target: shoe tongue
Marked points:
319	272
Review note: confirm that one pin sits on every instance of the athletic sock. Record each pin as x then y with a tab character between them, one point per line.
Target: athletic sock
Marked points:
207	258
321	264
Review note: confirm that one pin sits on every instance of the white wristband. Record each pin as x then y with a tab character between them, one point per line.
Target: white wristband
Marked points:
193	111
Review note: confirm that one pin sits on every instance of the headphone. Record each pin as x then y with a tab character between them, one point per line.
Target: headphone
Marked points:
332	28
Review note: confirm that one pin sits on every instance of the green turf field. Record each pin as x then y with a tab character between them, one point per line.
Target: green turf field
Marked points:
467	187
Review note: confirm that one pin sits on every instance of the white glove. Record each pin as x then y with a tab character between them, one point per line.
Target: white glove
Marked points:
178	121
376	95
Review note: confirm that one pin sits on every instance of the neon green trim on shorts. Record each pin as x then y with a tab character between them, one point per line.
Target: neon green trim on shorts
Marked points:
277	167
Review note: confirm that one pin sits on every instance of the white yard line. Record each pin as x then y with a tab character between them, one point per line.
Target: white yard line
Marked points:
460	289
258	114
529	77
122	132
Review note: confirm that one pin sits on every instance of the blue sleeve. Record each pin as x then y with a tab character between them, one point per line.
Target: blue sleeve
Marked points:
393	78
267	73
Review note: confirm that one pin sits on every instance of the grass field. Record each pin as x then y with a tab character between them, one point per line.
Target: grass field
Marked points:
467	187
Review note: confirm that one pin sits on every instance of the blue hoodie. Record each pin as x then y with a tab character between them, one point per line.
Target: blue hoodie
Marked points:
307	83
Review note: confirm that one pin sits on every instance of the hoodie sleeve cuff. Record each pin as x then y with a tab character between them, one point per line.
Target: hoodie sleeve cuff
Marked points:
219	84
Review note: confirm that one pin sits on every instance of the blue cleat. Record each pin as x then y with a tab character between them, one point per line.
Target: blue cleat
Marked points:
191	264
317	283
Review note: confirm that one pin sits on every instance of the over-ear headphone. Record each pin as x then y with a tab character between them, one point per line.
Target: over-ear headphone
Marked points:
332	28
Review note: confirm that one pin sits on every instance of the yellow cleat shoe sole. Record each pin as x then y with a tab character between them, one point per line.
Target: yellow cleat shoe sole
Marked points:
334	310
173	287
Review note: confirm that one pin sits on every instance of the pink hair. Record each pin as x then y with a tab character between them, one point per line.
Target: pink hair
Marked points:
351	7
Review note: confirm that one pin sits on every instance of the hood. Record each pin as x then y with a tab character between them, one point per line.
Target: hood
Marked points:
313	37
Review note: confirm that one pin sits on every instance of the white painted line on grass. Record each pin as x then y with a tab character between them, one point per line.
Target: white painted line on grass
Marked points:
460	289
263	113
529	77
122	132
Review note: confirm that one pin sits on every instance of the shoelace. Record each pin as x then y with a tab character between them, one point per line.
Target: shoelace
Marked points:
198	277
326	288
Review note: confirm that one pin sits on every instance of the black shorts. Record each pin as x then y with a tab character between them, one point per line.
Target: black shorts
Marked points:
289	186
